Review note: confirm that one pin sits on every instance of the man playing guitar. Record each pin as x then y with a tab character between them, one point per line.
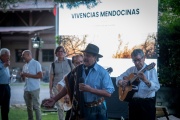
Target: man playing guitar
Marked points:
142	103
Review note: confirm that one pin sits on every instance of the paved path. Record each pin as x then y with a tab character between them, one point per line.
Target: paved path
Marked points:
17	91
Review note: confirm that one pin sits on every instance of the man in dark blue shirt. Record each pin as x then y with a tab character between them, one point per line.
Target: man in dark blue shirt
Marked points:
4	83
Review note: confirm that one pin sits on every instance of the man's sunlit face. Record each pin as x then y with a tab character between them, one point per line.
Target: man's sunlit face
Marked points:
5	57
78	60
25	56
89	59
138	61
60	53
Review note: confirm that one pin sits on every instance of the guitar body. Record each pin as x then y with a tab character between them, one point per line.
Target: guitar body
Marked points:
65	101
126	93
123	92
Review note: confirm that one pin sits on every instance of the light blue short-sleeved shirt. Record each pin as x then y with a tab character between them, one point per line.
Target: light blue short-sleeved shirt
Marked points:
32	67
4	74
97	78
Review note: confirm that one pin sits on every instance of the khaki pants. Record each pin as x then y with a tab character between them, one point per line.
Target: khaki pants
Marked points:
32	102
59	105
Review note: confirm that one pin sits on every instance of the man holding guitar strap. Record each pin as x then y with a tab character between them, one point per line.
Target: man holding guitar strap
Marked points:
141	101
76	60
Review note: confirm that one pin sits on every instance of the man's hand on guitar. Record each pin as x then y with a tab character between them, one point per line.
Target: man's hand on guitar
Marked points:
124	82
48	103
142	77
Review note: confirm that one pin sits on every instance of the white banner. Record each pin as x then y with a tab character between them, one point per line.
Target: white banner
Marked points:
116	27
110	16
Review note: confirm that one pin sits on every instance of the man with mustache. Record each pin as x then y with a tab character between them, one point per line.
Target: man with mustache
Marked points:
87	85
4	83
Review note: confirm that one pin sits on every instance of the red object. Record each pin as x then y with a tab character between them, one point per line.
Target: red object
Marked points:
54	10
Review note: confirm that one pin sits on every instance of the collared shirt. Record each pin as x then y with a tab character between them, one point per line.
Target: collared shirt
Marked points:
32	67
97	78
62	82
61	68
4	74
143	90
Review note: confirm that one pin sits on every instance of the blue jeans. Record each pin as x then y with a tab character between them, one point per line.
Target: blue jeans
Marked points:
96	113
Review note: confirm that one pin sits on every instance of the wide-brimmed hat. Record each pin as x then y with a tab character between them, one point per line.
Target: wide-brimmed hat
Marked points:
91	48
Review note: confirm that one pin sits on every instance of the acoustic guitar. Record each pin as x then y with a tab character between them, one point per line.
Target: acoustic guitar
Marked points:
65	101
126	92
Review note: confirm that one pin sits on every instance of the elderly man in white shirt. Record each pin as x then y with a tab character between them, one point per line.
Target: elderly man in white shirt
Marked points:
142	103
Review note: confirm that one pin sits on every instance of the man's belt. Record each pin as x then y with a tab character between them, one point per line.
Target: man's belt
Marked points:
94	103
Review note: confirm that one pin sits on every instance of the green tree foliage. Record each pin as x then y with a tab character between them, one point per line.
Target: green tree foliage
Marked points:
70	3
169	11
169	42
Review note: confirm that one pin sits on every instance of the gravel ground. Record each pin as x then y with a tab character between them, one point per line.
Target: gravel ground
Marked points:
17	91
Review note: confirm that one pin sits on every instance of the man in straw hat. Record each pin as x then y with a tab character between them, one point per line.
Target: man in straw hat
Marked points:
87	85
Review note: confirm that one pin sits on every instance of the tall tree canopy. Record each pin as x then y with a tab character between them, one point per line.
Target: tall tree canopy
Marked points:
169	42
70	3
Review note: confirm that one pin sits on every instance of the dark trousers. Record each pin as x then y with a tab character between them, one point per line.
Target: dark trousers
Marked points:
68	113
5	94
142	109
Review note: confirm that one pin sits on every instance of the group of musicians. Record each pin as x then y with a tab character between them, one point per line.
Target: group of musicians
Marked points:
89	84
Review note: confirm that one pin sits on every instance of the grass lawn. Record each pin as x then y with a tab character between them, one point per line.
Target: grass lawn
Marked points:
21	114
